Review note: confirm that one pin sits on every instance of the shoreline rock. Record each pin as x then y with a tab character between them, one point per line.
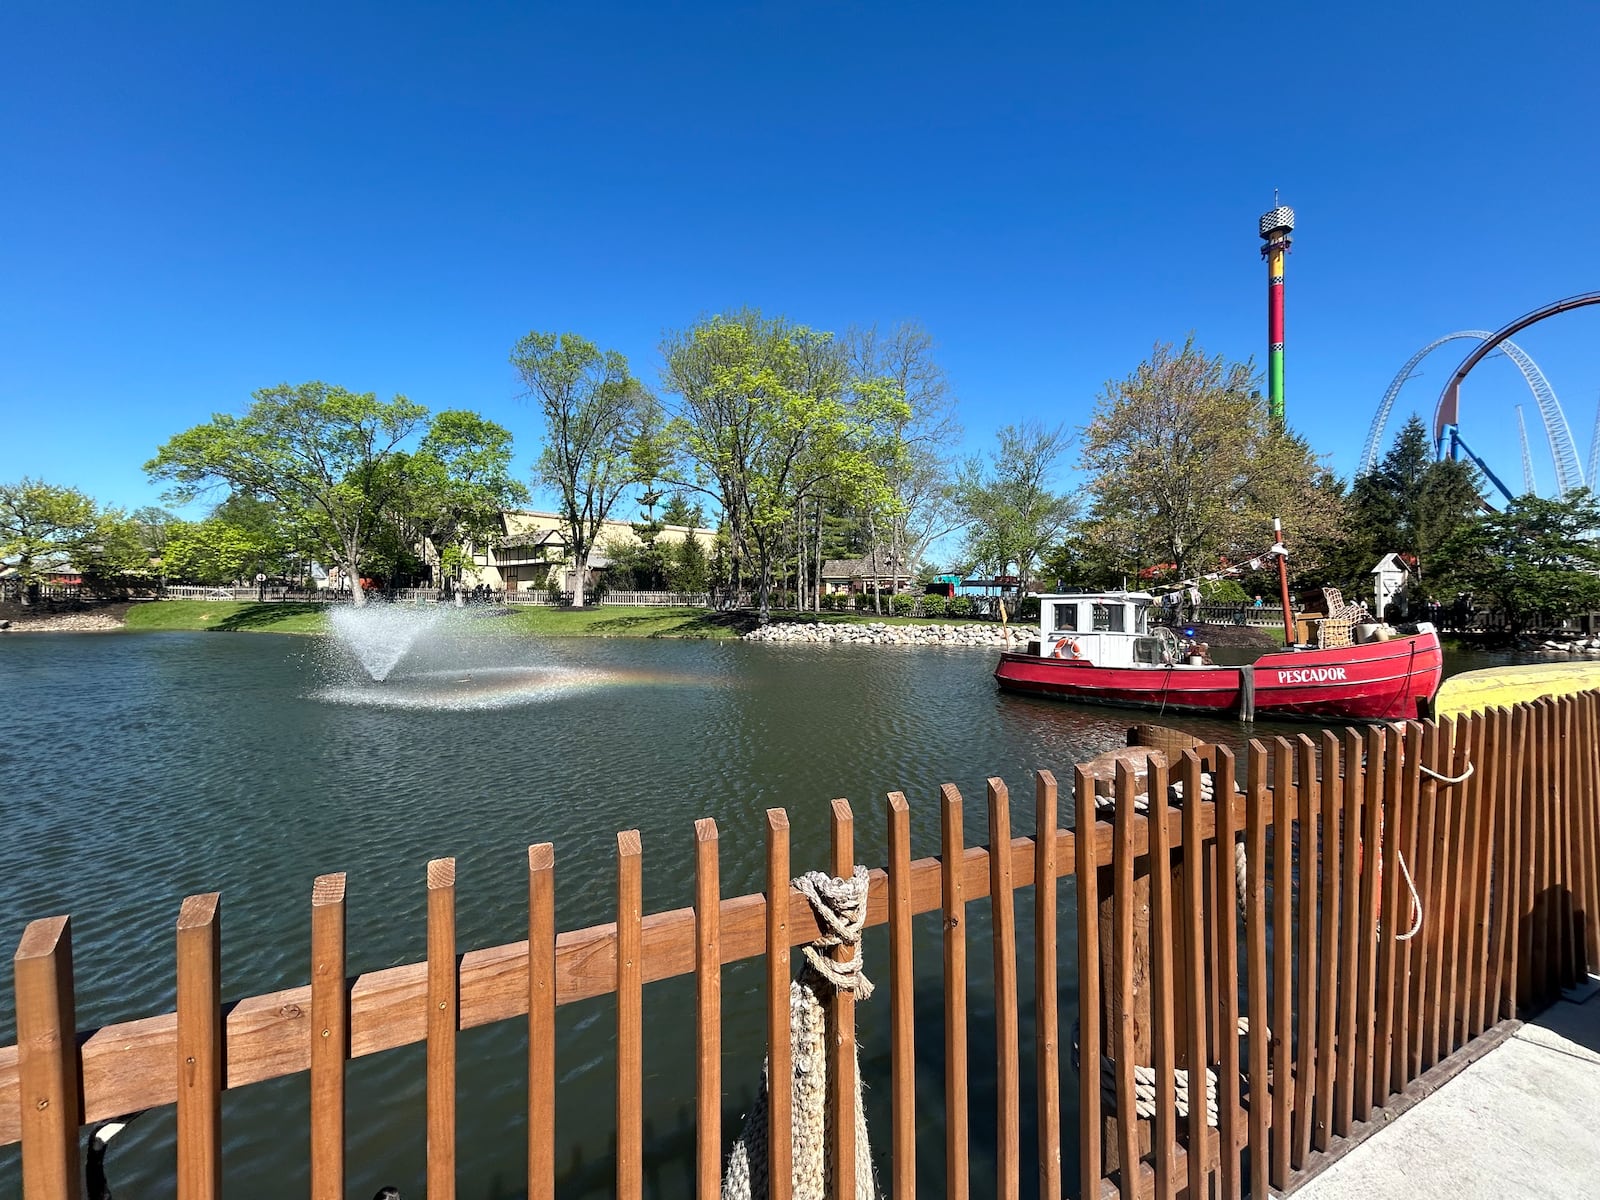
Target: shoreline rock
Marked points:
878	633
103	619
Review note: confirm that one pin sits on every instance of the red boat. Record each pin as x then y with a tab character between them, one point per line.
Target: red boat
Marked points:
1100	649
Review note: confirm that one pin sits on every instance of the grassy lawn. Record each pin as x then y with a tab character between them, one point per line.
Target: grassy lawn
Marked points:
229	616
621	621
236	616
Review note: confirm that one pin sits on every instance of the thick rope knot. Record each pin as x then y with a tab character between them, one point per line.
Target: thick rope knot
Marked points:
841	906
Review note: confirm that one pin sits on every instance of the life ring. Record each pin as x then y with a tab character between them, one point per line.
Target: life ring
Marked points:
1067	648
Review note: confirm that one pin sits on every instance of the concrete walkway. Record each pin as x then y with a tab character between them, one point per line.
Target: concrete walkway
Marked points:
1523	1121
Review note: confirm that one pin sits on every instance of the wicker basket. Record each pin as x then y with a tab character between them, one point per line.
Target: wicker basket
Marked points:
1334	631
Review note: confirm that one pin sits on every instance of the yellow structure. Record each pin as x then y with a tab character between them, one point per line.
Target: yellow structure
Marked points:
532	552
1474	691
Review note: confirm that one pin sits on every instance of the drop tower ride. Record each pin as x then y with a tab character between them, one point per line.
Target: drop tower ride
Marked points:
1276	226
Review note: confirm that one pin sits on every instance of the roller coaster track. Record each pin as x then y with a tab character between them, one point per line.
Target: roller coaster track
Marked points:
1569	474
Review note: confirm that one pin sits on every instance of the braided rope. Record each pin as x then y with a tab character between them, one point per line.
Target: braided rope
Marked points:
841	908
1144	1083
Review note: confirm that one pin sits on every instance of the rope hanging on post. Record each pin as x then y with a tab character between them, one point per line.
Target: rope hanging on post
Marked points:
841	907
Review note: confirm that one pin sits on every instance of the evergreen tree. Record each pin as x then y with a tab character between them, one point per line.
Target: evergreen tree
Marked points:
1410	504
1537	557
688	567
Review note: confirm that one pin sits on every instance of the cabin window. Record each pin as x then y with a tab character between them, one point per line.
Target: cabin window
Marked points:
1066	616
1110	618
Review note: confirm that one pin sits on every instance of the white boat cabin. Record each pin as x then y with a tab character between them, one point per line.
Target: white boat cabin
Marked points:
1108	629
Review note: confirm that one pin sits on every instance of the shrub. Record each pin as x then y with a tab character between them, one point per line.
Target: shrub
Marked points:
934	606
1222	591
902	605
960	606
1028	609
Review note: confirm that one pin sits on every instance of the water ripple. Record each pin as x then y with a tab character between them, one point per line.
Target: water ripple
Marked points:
143	768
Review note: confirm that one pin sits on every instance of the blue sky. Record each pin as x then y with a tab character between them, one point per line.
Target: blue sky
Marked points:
202	200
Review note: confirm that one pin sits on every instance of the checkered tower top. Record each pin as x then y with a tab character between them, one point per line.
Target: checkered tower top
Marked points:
1279	220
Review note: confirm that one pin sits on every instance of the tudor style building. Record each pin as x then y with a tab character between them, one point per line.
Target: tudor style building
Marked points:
532	552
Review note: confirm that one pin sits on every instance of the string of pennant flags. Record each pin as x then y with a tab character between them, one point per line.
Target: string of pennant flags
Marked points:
1277	548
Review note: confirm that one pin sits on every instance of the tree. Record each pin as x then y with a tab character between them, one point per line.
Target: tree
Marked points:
688	567
455	488
1009	503
1411	504
916	465
592	409
217	551
1537	556
115	553
768	411
45	528
320	452
1186	467
678	510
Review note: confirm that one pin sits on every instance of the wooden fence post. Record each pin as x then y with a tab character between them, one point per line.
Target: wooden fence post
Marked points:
200	1048
708	1010
1306	856
1225	793
1086	875
1194	903
1328	979
842	1020
330	1036
1350	930
780	1060
1002	907
630	1018
1124	1054
953	887
1256	969
541	1022
1047	1053
47	1053
902	1004
1156	945
443	1020
1284	1091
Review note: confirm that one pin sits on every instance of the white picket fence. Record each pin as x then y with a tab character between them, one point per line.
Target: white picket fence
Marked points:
626	599
185	591
659	599
431	596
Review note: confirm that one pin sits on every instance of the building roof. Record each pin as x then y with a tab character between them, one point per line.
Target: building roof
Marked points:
532	537
872	566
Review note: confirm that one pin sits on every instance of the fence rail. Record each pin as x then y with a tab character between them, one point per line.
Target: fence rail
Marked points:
1255	945
1265	616
629	599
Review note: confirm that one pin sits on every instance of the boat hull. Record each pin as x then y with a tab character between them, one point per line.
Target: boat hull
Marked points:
1393	680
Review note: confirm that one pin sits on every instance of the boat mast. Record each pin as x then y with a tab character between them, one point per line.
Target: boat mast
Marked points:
1282	554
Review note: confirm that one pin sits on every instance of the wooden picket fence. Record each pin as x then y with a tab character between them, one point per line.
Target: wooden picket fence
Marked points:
1174	947
1351	987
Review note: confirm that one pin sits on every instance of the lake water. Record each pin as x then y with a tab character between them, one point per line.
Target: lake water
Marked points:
141	768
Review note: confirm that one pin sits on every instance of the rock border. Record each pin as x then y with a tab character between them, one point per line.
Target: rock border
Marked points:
879	633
